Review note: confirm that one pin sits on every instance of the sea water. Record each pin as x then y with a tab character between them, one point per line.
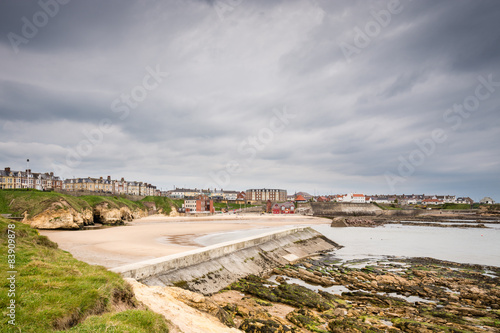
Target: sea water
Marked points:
464	245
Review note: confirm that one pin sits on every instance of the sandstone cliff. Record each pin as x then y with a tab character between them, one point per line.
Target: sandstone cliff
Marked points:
60	215
105	214
52	210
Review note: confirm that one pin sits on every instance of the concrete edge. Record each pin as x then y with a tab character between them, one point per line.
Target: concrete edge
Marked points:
144	269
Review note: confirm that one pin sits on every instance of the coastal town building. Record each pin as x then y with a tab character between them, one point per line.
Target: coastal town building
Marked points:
109	186
465	200
487	200
230	195
300	199
202	204
432	201
224	195
380	200
283	208
266	194
241	196
353	198
447	198
305	195
181	193
26	179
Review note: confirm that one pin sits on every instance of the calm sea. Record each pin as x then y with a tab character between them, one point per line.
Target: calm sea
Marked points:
465	245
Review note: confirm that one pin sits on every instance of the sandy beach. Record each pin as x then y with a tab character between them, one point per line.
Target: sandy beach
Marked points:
157	236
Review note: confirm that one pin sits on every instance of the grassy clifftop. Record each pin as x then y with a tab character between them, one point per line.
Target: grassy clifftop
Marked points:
33	202
54	291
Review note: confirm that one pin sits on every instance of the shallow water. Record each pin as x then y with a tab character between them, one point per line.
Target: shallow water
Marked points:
464	245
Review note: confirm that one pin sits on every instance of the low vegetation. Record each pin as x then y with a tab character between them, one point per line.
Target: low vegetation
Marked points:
33	202
163	204
54	291
230	206
455	206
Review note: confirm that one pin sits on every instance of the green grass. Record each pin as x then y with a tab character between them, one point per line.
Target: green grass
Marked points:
388	206
54	291
34	202
178	202
131	321
220	205
455	206
162	203
113	202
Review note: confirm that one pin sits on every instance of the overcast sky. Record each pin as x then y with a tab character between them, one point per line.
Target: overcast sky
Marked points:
309	95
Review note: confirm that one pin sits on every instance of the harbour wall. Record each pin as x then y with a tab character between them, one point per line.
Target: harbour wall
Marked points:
339	209
334	209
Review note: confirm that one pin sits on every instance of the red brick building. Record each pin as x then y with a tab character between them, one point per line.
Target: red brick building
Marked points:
284	208
202	204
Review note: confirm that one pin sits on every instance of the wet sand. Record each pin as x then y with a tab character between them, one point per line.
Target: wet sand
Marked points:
157	236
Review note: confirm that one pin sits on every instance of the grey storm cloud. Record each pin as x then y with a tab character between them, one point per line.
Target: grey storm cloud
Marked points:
75	75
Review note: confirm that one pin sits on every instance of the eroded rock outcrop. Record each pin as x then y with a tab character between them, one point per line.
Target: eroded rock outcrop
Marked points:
60	215
105	214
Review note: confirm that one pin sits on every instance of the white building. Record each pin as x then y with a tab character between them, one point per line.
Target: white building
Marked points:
354	198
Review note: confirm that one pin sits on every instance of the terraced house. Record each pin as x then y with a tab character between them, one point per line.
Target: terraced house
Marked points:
26	179
107	185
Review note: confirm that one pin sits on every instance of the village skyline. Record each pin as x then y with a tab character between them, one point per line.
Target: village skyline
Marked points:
17	179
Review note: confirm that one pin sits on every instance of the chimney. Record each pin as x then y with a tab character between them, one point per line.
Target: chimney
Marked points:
52	174
109	177
100	178
7	170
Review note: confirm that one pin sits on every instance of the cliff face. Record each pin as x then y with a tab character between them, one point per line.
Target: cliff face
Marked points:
60	215
114	216
51	210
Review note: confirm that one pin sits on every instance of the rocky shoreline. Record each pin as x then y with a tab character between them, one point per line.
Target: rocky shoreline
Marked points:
322	294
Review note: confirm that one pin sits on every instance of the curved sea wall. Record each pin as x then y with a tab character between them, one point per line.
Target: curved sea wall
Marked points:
209	269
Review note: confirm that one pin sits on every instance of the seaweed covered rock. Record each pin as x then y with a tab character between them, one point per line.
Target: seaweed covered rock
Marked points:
304	318
265	326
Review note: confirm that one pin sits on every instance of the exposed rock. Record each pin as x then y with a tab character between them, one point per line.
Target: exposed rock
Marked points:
314	278
338	222
113	216
110	216
60	216
202	303
163	300
352	222
265	326
304	318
